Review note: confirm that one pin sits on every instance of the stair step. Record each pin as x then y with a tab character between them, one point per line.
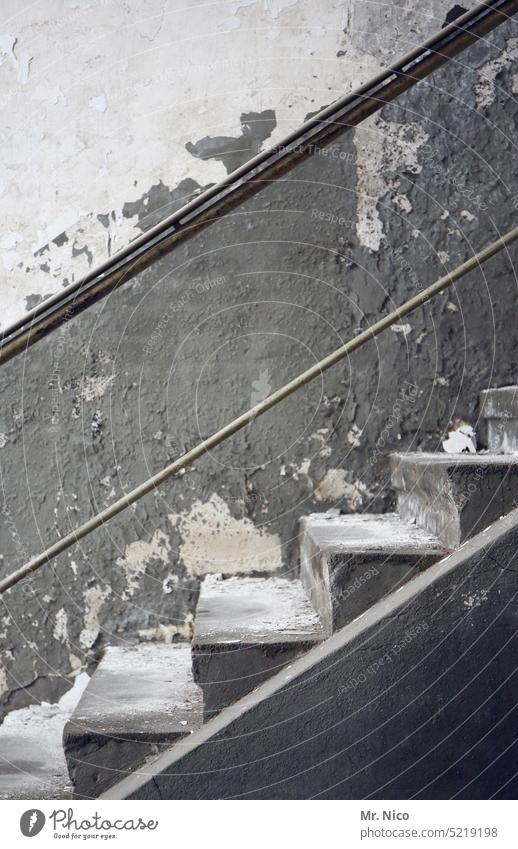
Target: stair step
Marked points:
347	563
139	701
245	630
454	496
32	763
499	407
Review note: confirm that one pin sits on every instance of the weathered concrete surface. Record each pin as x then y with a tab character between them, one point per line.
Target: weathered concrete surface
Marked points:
95	408
499	407
454	496
415	700
348	563
245	630
139	701
32	762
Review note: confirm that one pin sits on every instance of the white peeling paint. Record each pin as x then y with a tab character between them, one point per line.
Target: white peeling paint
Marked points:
139	554
106	118
95	387
93	601
166	633
403	329
476	599
214	541
336	485
382	146
353	436
322	436
486	86
61	626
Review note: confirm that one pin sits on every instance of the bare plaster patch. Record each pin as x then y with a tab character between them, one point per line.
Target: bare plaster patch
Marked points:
95	387
167	633
140	554
382	146
214	541
93	601
486	87
336	484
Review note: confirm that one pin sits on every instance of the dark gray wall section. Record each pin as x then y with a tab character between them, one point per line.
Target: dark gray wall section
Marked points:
285	288
415	700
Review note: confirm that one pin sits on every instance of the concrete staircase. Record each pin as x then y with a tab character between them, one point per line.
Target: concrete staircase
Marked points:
143	699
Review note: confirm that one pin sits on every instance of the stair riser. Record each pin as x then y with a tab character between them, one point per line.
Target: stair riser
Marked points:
454	503
95	762
502	438
499	407
226	674
343	586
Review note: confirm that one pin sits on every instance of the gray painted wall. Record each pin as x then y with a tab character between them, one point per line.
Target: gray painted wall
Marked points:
98	406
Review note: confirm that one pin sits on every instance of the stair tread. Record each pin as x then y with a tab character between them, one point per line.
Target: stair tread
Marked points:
140	691
254	611
368	533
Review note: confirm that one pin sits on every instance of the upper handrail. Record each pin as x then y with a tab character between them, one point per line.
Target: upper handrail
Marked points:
250	178
258	410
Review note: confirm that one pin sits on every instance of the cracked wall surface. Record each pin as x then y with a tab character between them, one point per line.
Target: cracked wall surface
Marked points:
113	396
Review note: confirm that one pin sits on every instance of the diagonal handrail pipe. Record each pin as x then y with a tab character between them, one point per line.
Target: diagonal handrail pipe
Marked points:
259	409
206	208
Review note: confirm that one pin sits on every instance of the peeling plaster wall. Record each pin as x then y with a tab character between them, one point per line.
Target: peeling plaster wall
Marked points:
106	100
178	99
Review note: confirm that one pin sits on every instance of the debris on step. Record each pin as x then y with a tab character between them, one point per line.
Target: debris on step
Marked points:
32	761
461	439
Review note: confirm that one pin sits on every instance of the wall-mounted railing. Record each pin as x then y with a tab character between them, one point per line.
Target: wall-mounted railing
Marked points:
209	206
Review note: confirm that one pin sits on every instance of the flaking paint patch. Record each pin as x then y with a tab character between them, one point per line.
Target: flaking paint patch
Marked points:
214	541
336	484
61	626
93	601
382	146
4	687
167	633
95	387
486	86
476	599
139	554
322	435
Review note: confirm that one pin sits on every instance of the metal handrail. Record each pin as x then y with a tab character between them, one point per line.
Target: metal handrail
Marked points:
254	412
210	205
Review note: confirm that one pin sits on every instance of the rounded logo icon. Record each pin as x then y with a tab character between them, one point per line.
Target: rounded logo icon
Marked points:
31	822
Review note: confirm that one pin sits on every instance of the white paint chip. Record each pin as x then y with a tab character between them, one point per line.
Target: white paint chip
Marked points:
139	554
462	439
403	329
93	601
